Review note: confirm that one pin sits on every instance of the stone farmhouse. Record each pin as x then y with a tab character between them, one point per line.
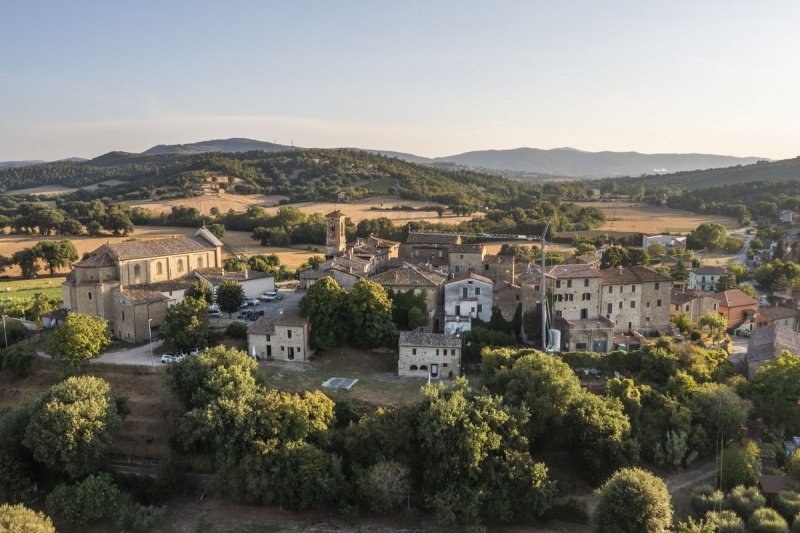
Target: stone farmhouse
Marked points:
410	278
692	302
433	355
131	284
284	337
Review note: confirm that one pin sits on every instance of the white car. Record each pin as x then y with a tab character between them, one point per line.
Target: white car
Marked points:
214	313
252	302
271	296
171	358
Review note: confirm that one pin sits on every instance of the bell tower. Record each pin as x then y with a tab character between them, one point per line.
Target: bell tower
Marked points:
335	242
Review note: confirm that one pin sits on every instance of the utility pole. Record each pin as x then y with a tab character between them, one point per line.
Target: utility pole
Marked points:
4	331
543	292
150	332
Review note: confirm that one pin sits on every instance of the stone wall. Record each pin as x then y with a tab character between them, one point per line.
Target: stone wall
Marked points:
425	356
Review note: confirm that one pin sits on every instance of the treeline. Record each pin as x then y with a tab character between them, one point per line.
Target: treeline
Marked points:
69	218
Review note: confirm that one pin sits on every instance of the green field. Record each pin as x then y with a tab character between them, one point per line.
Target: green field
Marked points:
25	288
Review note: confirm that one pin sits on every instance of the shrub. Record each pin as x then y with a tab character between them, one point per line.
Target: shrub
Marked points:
724	522
741	465
236	330
787	503
793	465
18	518
633	500
796	523
91	500
706	498
18	360
744	500
138	517
569	510
766	520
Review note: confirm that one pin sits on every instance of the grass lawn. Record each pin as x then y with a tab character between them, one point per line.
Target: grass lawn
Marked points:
25	288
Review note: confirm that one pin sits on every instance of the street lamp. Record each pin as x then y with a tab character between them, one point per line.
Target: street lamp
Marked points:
4	331
150	332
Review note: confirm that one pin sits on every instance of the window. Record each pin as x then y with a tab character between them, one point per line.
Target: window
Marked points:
462	256
477	291
516	297
289	333
480	308
199	262
620	289
571	297
686	308
453	351
586	296
180	265
658	285
633	288
269	337
465	292
633	305
90	297
610	308
437	351
458	268
610	289
586	282
123	315
423	367
658	303
620	305
458	310
558	284
444	365
413	367
558	313
413	351
137	271
580	346
584	314
569	283
486	267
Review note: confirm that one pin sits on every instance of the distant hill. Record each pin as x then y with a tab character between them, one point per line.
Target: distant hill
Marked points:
219	145
785	169
577	163
411	158
17	164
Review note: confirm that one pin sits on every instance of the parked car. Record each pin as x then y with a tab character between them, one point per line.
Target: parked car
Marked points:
170	358
214	313
271	296
244	315
255	315
252	302
194	352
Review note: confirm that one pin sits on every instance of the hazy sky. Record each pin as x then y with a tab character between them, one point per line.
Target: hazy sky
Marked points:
80	78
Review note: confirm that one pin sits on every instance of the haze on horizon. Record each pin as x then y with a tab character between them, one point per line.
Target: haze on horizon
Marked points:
431	78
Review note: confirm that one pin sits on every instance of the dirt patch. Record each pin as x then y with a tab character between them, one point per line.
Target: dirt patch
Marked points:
627	216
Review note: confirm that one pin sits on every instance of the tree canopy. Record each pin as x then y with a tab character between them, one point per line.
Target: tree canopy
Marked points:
186	325
633	500
324	305
80	338
230	296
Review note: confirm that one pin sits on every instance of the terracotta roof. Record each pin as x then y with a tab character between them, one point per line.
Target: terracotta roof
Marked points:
709	270
136	296
414	338
215	275
768	341
169	285
634	274
265	325
732	298
469	275
775	313
380	243
573	271
425	238
311	273
498	258
409	276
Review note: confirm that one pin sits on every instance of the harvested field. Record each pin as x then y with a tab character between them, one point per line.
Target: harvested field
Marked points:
626	216
43	190
361	209
224	202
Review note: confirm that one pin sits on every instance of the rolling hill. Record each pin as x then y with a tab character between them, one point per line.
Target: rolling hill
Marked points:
219	145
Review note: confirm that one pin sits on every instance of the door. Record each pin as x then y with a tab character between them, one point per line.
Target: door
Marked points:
269	351
434	370
600	346
290	351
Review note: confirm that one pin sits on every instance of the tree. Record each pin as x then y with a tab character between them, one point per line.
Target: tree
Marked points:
218	230
27	260
20	519
200	290
716	323
614	257
409	310
585	248
324	305
370	311
88	501
633	500
637	256
726	282
682	322
741	465
656	250
71	427
80	338
708	235
775	392
720	410
230	296
57	254
186	325
748	290
679	272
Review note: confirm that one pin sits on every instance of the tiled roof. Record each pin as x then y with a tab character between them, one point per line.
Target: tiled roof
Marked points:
265	325
775	313
157	248
425	238
177	284
634	274
573	271
414	338
709	270
732	298
768	341
469	275
498	258
684	296
99	258
467	249
334	214
136	296
673	260
409	276
311	273
215	276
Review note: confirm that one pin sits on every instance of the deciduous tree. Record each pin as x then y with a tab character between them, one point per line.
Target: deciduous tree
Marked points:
57	254
20	519
324	304
370	313
80	338
230	296
633	500
186	325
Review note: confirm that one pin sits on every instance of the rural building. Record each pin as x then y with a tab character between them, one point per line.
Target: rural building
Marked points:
500	267
705	278
736	306
433	355
587	335
54	318
636	299
428	248
284	337
120	282
379	251
786	216
766	343
253	282
466	296
667	241
692	302
672	260
335	240
507	299
776	315
410	278
465	258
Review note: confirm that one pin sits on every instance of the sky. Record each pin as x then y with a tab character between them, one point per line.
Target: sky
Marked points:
434	78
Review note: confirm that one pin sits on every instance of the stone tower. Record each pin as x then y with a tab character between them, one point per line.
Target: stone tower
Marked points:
335	242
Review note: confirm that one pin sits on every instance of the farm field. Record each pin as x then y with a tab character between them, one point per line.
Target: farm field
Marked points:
626	216
361	209
58	190
204	203
25	288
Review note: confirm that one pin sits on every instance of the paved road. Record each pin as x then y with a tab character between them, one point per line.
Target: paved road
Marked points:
741	257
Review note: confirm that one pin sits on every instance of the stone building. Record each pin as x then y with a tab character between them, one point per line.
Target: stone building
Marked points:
335	240
766	343
466	296
776	315
410	278
692	302
433	355
428	248
284	337
120	282
636	299
465	258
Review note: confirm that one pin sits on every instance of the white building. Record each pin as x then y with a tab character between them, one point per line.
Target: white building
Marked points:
705	278
253	282
466	296
429	354
667	241
786	216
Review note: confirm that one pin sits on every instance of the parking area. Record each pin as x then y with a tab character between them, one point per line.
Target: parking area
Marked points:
289	300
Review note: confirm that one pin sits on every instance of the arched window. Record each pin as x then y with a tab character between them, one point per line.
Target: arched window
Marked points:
423	367
180	265
137	272
413	367
199	262
159	268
